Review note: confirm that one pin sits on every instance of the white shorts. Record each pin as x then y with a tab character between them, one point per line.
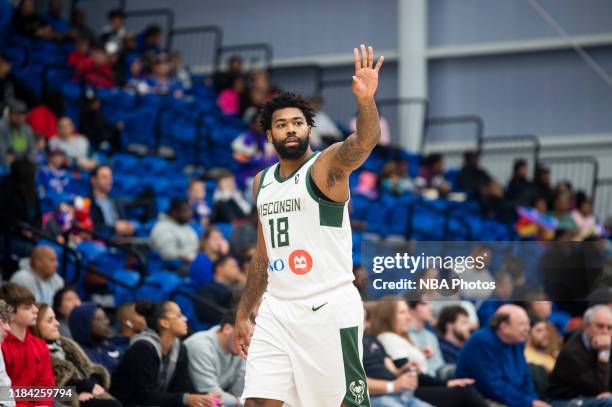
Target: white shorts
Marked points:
308	352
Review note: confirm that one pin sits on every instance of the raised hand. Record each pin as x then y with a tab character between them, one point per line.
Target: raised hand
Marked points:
365	80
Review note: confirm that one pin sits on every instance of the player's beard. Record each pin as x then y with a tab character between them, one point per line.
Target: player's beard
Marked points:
291	153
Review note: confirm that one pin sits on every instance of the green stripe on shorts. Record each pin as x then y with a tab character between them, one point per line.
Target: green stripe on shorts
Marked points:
356	382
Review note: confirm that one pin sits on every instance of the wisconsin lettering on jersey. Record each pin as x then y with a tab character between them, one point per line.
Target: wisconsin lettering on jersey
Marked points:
276	207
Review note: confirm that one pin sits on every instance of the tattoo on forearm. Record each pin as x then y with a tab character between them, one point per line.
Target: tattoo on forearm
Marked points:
356	148
257	280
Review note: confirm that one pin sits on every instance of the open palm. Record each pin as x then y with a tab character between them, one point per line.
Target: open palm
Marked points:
365	80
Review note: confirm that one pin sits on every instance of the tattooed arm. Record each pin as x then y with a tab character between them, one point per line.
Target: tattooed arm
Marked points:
257	281
334	165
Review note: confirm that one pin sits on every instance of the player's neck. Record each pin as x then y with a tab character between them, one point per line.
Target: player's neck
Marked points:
287	167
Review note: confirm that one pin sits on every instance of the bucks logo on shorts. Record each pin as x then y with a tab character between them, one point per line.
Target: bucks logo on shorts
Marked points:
358	389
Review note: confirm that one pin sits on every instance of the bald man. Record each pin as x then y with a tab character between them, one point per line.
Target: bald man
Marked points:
39	274
494	357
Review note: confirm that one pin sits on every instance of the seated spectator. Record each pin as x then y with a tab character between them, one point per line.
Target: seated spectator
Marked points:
12	88
102	134
196	195
229	99
79	27
500	370
583	216
6	311
150	40
90	328
229	203
536	350
160	82
422	337
454	330
325	132
64	301
179	72
16	136
43	118
562	206
97	69
541	185
215	364
71	366
504	286
472	178
244	235
40	275
79	57
520	190
107	214
213	246
54	17
27	22
27	358
114	33
582	373
252	151
431	174
53	179
155	371
172	236
221	292
130	323
224	80
76	146
557	319
394	180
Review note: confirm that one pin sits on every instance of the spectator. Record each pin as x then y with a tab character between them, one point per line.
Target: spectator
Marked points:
562	204
53	179
212	247
536	350
79	27
40	275
422	337
244	235
54	17
150	40
79	57
5	318
583	216
102	134
76	146
11	88
229	98
43	118
229	204
224	80
252	151
215	364
325	132
155	370
541	183
18	200
519	190
114	33
97	70
179	72
500	370
64	301
221	292
130	323
71	366
431	174
107	214
472	178
27	358
91	329
160	82
172	236
16	136
454	329
196	195
27	22
394	179
582	373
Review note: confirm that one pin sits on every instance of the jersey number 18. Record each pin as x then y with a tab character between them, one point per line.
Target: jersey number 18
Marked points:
281	238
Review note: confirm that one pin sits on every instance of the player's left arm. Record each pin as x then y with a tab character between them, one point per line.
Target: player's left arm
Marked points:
334	165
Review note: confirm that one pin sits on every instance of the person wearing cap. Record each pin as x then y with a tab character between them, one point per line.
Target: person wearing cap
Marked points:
16	136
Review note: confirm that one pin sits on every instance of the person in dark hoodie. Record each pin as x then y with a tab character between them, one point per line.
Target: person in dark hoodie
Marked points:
90	328
155	369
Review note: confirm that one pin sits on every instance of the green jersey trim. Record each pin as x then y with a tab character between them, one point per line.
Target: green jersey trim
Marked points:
330	213
280	179
356	383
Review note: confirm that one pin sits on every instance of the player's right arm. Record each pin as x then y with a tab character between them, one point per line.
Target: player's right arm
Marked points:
257	281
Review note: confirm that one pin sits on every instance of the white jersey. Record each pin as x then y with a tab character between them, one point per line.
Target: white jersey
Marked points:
308	239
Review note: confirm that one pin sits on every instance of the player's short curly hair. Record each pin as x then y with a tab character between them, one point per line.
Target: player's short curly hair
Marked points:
281	101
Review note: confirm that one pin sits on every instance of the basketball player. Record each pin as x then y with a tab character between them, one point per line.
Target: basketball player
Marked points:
306	347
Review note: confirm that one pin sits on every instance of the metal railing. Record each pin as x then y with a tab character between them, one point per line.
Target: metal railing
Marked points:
198	45
454	120
151	15
581	171
254	55
602	201
498	153
304	79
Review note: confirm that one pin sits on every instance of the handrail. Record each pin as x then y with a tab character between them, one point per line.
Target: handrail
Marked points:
579	159
213	29
165	12
531	138
445	120
267	49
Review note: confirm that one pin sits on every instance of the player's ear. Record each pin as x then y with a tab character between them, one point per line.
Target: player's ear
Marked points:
269	136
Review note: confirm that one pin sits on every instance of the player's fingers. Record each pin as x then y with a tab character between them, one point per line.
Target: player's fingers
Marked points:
364	56
379	63
356	58
370	57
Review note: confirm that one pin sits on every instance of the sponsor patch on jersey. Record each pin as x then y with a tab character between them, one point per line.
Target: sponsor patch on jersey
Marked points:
300	262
